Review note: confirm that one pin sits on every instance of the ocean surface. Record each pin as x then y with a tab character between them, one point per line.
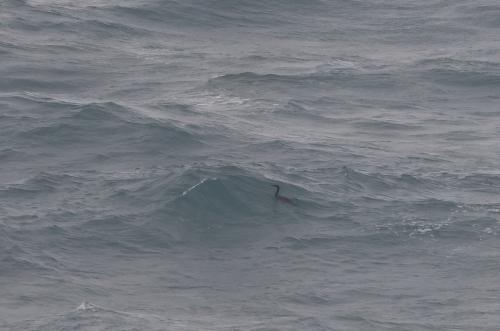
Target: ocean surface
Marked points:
139	140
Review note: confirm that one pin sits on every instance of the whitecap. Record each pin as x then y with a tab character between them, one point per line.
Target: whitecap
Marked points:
196	185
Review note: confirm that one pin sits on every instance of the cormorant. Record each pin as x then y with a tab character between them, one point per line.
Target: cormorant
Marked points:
282	198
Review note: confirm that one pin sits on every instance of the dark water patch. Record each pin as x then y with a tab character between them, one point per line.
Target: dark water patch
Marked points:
118	120
30	84
19	256
309	299
433	205
126	233
453	63
172	107
29	188
486	114
89	26
427	158
303	243
85	316
108	111
60	72
250	82
38	106
463	230
57	134
354	181
295	109
486	180
13	155
148	191
460	73
482	15
50	181
105	30
277	148
211	14
45	77
383	125
7	48
16	192
39	186
12	265
377	239
466	136
350	181
476	182
109	124
222	196
356	321
462	78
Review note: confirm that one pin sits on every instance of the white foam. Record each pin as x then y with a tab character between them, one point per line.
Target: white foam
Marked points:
196	185
86	306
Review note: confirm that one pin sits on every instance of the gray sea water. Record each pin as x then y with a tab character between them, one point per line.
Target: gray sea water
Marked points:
139	140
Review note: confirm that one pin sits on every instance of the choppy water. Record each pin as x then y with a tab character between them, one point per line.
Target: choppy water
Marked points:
139	139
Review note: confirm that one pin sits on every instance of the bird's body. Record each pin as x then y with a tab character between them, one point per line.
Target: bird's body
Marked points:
285	200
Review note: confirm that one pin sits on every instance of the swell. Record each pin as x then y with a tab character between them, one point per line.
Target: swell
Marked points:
376	184
43	183
151	212
148	214
108	124
337	78
218	194
201	196
91	28
19	255
482	15
462	73
87	315
443	71
217	14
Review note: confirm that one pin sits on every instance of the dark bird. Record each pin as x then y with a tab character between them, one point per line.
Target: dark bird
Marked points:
281	198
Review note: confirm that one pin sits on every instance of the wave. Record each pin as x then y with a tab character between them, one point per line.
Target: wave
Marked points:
220	193
124	233
146	213
483	15
29	102
450	228
365	238
338	78
474	182
13	155
383	126
453	72
21	83
204	194
44	183
301	111
58	21
108	125
380	185
153	211
216	14
18	256
13	3
87	315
